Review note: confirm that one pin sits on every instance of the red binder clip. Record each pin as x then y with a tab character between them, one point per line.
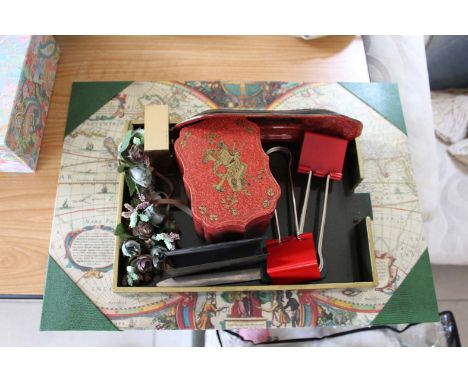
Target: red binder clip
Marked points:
292	259
321	155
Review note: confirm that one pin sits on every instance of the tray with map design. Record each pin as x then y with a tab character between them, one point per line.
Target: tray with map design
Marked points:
80	294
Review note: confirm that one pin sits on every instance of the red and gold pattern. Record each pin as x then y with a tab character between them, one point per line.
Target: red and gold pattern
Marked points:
227	178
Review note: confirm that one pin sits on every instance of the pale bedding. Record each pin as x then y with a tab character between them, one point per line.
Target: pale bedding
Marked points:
448	226
442	182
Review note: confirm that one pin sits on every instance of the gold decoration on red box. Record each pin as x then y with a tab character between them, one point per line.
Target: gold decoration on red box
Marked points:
227	178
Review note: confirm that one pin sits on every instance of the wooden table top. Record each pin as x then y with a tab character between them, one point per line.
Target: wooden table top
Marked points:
27	200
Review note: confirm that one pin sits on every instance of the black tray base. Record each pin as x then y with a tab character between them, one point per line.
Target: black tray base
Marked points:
346	242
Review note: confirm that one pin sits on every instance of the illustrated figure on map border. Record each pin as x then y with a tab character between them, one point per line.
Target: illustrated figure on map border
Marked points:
277	309
209	310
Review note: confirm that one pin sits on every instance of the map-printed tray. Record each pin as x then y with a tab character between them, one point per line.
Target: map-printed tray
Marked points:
78	293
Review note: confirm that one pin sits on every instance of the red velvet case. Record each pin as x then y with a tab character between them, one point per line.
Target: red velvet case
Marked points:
227	178
286	125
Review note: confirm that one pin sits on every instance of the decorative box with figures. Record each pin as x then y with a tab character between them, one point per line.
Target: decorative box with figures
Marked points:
244	200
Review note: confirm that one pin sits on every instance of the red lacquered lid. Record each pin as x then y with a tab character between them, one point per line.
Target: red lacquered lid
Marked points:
227	176
286	125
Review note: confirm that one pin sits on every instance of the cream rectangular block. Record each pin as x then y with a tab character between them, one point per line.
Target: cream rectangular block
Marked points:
157	129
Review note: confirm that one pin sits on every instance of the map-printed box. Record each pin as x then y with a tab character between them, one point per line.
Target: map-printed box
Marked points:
27	76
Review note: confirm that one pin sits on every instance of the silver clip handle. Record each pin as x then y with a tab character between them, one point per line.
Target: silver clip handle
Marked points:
322	221
286	151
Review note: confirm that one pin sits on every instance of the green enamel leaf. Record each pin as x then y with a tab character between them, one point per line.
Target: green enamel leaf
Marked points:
143	217
131	275
131	185
140	136
121	231
126	141
133	219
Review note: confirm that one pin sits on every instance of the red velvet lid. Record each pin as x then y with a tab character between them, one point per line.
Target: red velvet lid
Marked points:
227	177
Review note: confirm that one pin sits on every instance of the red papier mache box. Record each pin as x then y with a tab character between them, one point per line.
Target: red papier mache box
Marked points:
227	177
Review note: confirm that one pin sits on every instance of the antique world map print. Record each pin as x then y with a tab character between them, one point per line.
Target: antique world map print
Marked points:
82	241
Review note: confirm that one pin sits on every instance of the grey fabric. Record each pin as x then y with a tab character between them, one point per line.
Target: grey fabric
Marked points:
447	61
